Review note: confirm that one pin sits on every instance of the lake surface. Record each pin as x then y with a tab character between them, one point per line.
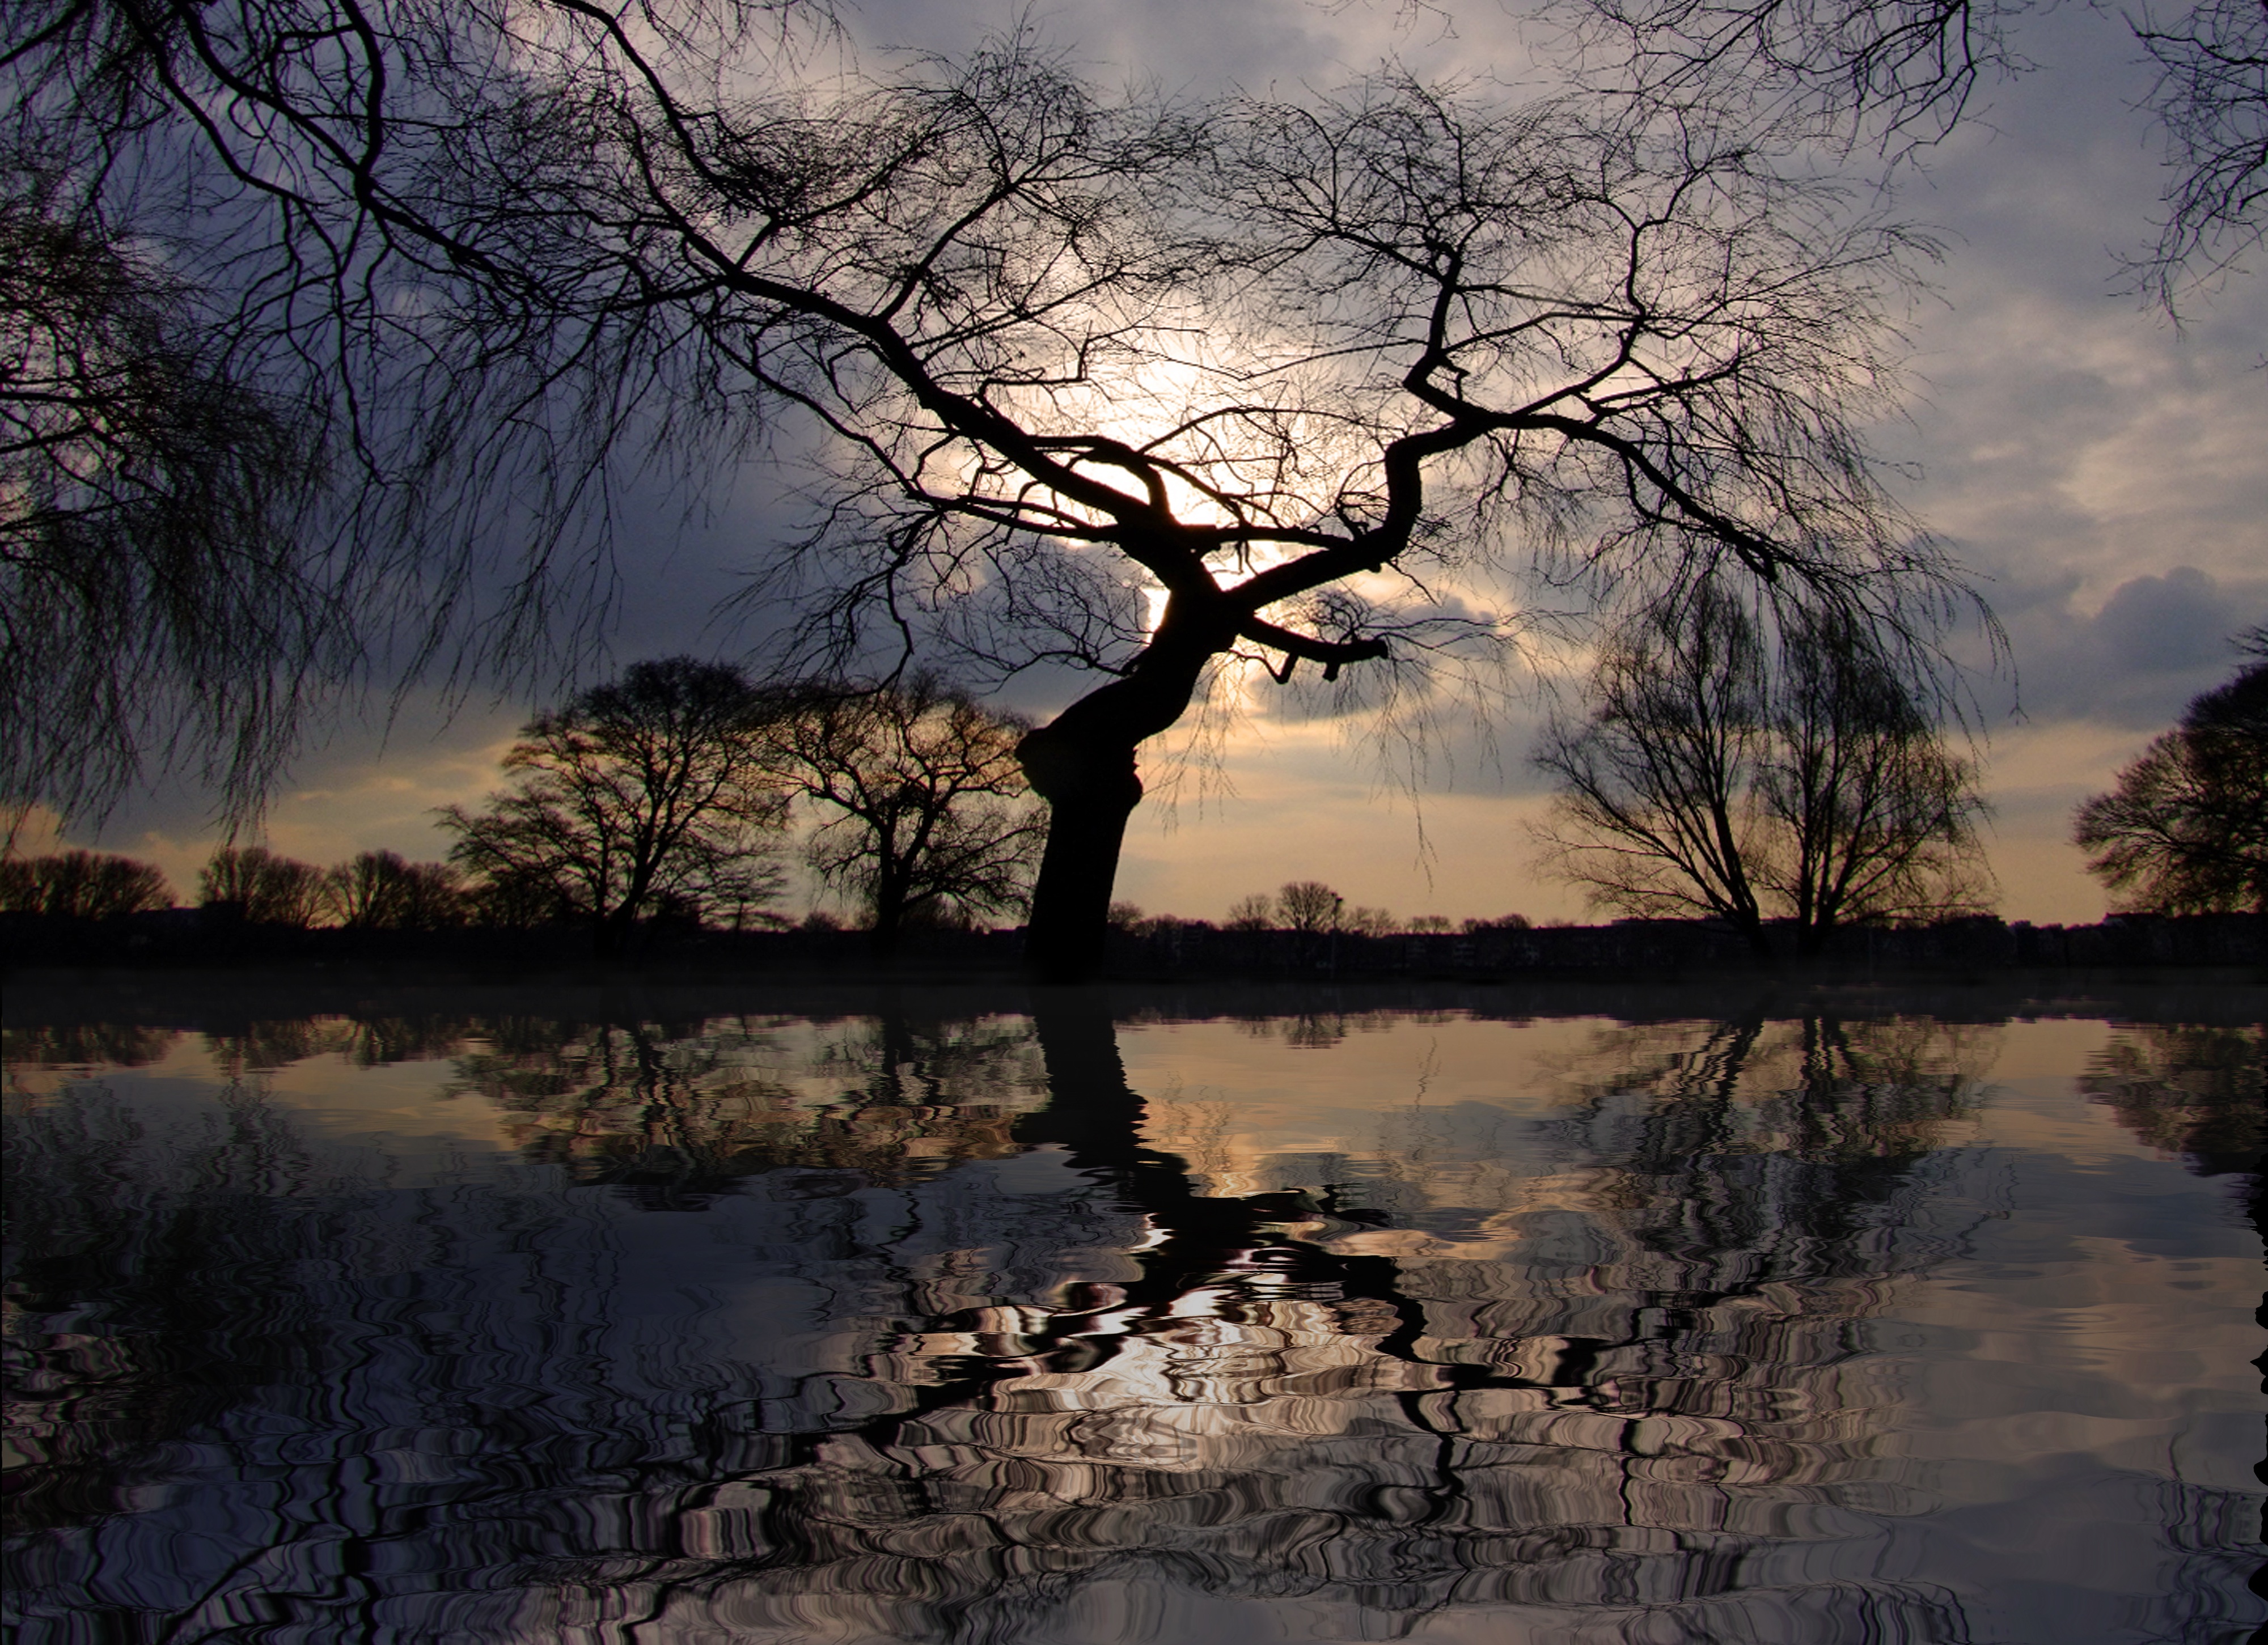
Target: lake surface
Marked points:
1094	1324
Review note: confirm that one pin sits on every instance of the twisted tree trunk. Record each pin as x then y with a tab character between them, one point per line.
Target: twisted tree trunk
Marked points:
1083	764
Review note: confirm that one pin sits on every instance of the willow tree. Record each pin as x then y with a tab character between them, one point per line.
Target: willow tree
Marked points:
1154	392
1754	770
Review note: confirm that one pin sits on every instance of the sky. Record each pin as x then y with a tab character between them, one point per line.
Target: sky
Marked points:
2095	466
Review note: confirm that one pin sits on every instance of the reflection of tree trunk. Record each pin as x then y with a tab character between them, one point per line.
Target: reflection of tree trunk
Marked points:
895	1044
1092	1111
1097	1116
1082	764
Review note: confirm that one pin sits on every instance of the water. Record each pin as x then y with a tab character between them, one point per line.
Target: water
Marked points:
949	1325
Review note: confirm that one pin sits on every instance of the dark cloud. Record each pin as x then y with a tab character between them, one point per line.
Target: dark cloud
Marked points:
2157	642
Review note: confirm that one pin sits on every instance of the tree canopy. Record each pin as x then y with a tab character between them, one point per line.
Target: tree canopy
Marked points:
2185	830
1757	773
923	812
650	793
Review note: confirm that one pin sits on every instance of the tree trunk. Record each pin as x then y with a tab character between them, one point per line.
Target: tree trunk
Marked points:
1091	791
888	913
1082	764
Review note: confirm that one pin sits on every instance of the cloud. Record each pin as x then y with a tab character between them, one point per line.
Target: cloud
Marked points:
2135	661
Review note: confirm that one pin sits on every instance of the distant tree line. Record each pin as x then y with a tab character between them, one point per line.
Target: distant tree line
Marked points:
82	885
1307	907
667	795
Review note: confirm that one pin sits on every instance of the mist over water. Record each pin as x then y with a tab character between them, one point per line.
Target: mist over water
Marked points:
1083	1324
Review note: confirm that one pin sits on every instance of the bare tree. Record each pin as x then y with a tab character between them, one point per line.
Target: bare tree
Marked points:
380	891
1151	391
2185	831
1658	813
1724	774
271	890
162	612
1255	912
931	816
81	885
1871	816
1308	906
655	791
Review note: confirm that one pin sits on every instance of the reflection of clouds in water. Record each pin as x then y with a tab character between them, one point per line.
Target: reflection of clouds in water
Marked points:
1603	1369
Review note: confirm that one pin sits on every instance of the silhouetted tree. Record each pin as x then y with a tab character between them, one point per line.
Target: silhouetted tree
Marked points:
2186	829
927	811
1308	906
1500	922
271	890
656	786
1255	912
1657	812
81	885
163	610
1724	774
379	891
1870	816
1144	389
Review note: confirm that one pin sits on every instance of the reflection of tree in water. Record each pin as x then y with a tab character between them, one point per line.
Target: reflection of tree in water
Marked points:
83	1045
191	1305
2195	1091
690	1109
260	1046
1773	1149
1316	1031
865	1398
1267	1408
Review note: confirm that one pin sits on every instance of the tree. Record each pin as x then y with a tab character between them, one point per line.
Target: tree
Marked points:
271	889
1871	816
273	415
655	790
1255	912
162	608
379	891
931	814
2185	831
1308	906
1657	811
1722	774
1153	391
81	885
